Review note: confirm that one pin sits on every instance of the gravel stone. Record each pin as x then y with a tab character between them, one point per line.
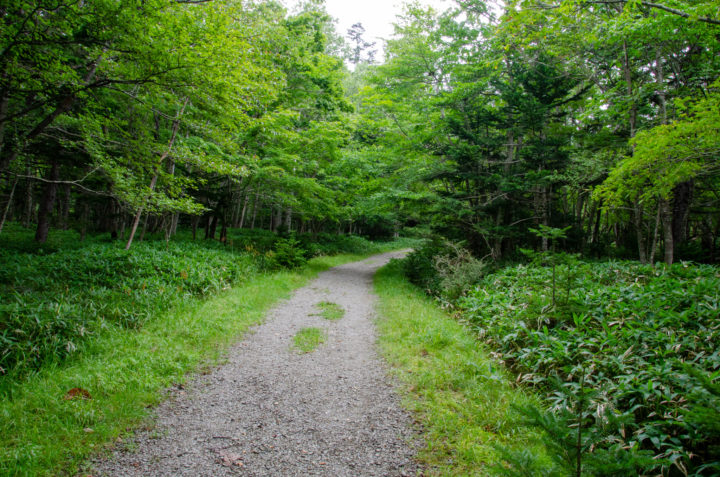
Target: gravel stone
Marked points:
271	411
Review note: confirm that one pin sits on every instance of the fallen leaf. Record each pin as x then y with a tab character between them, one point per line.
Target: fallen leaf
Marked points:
76	393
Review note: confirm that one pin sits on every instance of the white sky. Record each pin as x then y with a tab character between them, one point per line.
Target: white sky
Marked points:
376	16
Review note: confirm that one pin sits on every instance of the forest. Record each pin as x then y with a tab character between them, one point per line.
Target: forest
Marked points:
554	164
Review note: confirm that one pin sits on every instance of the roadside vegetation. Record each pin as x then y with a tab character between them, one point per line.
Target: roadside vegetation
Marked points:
622	356
462	398
92	334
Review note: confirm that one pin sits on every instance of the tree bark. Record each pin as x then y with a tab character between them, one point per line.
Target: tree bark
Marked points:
64	212
638	222
47	203
244	209
255	208
667	217
9	202
29	198
682	199
653	247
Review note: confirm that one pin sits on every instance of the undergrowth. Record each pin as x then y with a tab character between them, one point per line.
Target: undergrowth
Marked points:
627	357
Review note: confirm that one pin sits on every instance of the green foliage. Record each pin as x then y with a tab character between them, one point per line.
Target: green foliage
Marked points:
444	269
52	303
462	398
287	253
616	350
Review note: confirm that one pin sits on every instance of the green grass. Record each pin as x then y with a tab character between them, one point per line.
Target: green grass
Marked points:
307	340
125	371
460	396
330	311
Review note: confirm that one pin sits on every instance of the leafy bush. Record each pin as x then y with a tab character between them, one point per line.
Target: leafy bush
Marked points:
458	271
444	269
628	355
287	253
419	266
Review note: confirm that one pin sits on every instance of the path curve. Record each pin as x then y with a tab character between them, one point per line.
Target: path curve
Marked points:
271	411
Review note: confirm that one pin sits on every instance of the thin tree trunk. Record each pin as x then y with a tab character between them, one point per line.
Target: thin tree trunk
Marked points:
638	222
153	182
9	202
656	233
84	220
144	229
244	209
255	208
288	220
28	205
667	231
47	203
174	223
194	224
64	214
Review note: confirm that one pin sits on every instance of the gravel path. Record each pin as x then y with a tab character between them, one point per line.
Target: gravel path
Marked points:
271	411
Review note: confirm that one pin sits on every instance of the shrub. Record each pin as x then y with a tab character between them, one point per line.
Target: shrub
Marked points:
287	253
612	356
444	269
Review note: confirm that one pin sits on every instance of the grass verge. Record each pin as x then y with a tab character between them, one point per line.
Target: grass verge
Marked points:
460	396
125	372
330	311
307	340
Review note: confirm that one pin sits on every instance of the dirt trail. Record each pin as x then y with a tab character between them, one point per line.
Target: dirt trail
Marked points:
273	412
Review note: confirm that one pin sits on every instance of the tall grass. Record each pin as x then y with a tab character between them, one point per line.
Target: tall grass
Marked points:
462	399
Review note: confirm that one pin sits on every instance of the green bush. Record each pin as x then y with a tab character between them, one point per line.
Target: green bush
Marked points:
287	253
444	269
612	358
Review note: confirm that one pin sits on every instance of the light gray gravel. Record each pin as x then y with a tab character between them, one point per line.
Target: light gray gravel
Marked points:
271	411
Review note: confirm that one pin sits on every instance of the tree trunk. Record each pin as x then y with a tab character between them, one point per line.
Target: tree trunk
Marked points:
194	225
29	196
9	202
144	229
667	217
288	220
84	220
682	198
255	208
47	203
244	209
656	233
174	223
638	223
213	228
64	212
